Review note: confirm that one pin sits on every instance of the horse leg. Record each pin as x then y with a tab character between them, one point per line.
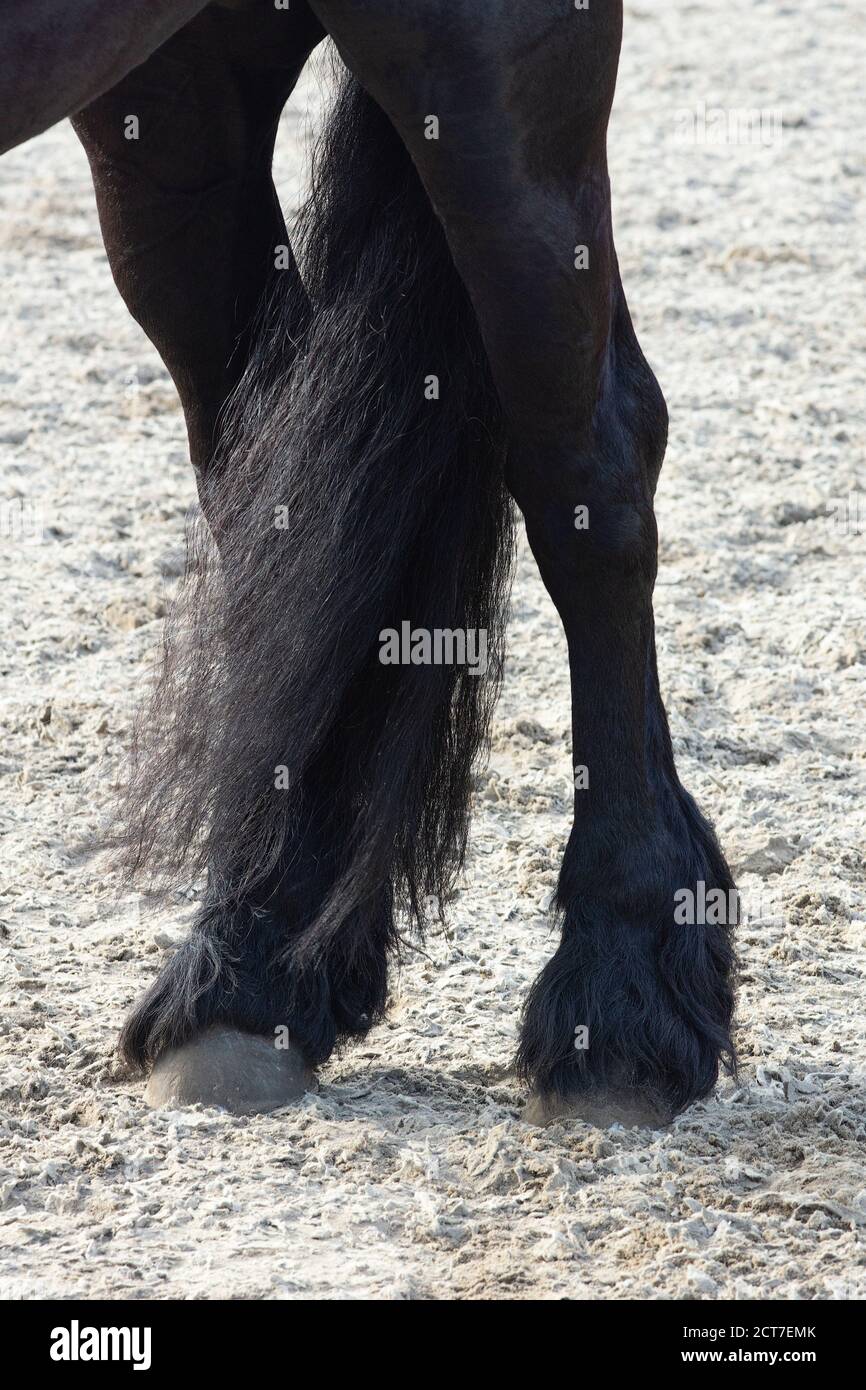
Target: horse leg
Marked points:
394	507
188	210
191	223
515	166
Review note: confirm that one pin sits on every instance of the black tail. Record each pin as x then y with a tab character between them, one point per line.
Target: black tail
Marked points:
359	486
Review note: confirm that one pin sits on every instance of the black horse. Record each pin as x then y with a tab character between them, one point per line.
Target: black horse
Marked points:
445	332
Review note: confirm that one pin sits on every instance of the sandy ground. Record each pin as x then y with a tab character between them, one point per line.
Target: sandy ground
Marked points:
410	1174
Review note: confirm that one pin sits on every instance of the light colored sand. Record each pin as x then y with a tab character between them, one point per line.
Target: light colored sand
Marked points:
411	1173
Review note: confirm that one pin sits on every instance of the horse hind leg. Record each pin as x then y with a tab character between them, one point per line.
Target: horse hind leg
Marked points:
395	507
180	152
191	223
631	1017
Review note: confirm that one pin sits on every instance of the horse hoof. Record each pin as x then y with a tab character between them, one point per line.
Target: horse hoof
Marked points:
238	1072
599	1108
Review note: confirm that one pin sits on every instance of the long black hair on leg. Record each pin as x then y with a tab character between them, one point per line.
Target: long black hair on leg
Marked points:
358	485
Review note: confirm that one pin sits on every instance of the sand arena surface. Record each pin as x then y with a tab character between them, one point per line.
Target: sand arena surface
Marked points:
410	1173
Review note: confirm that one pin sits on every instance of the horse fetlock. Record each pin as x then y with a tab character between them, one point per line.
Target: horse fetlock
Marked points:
635	1008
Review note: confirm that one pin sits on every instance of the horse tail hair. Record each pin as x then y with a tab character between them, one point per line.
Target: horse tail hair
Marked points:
358	488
